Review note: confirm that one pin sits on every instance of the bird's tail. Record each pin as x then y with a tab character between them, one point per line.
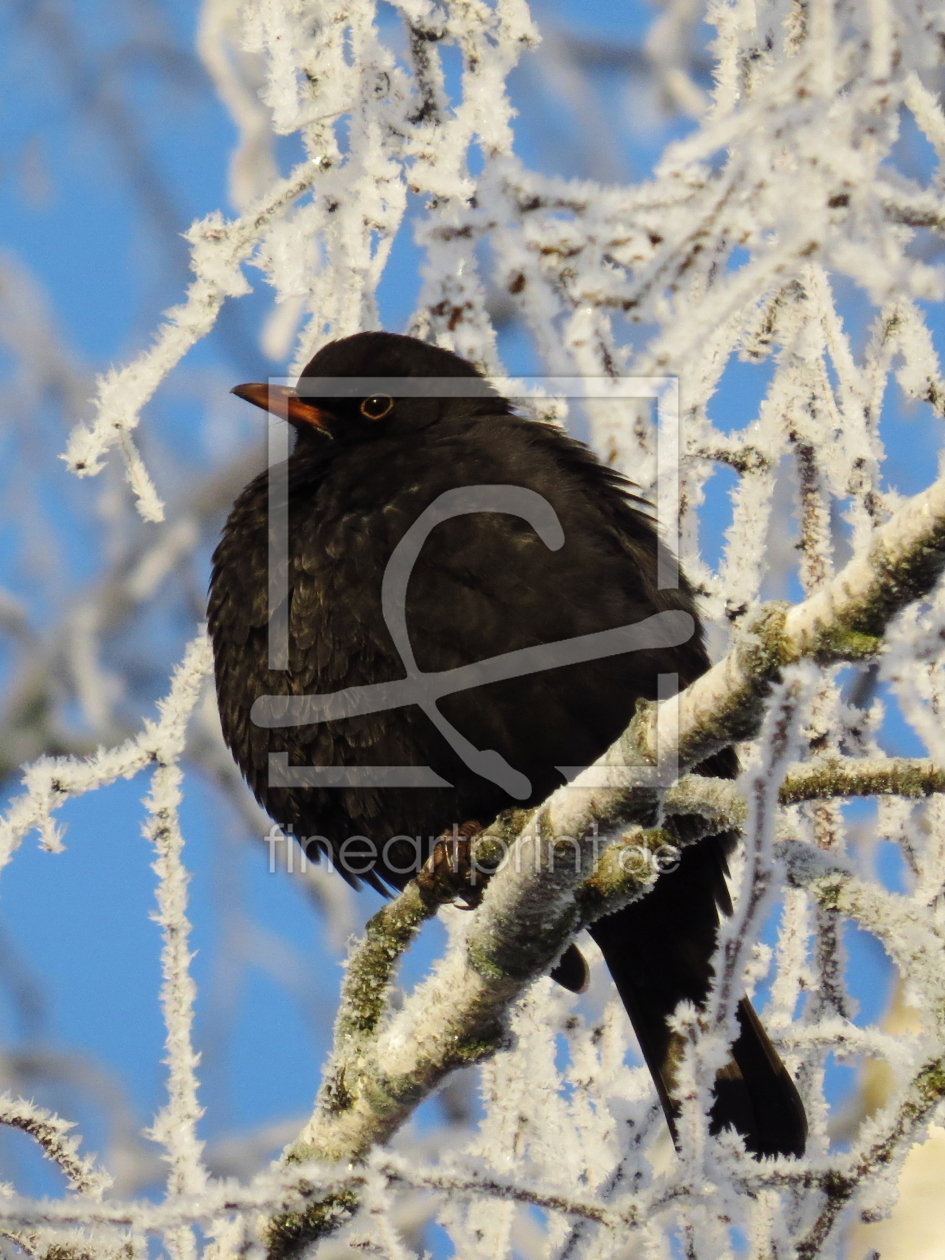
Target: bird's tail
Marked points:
658	951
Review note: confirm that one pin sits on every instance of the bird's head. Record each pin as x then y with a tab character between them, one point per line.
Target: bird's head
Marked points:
373	384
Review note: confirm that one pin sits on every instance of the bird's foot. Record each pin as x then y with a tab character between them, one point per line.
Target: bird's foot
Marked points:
449	873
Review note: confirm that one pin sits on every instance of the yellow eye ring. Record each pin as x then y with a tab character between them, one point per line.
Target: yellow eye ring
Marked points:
377	406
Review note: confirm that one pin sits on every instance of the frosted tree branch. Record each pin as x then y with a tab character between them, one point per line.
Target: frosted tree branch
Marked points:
380	1072
176	1125
52	1134
795	228
51	781
217	250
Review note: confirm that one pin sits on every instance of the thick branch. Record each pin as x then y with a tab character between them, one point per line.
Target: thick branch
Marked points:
534	903
826	778
843	621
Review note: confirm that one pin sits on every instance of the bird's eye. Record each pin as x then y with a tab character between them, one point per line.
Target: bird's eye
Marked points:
377	406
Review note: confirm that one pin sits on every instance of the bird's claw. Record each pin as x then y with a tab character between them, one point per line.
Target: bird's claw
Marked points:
448	873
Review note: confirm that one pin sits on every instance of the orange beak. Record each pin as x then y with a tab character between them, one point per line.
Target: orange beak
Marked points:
281	401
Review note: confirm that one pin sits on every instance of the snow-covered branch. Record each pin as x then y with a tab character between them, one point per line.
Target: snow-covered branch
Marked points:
176	1126
51	781
52	1134
218	248
380	1072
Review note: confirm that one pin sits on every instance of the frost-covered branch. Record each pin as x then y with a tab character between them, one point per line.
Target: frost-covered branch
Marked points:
175	1127
218	250
52	1134
917	950
531	906
721	804
51	781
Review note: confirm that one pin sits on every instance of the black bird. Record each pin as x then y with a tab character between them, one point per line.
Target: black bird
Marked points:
365	466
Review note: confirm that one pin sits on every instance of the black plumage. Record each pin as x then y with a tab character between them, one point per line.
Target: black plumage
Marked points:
363	469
